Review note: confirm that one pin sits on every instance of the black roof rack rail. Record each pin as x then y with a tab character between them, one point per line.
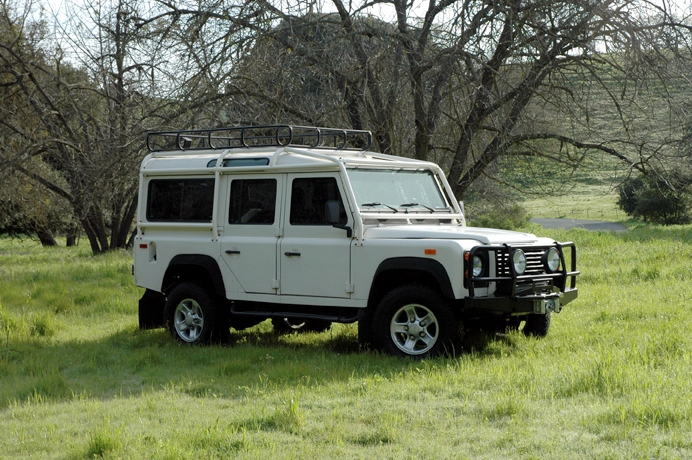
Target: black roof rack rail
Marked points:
259	136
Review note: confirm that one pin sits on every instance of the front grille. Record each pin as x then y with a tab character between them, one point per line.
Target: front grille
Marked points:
534	269
534	265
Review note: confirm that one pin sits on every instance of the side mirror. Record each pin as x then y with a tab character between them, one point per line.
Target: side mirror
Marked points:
332	213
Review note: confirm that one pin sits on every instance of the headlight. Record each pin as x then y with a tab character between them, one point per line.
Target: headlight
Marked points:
477	266
519	261
551	260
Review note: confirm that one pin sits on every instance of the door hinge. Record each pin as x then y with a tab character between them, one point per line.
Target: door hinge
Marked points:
349	288
276	284
279	232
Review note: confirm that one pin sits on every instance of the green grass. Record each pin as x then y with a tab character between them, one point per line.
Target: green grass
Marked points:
611	380
597	202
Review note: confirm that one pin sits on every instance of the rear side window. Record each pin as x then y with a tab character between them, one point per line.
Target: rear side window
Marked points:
180	200
253	201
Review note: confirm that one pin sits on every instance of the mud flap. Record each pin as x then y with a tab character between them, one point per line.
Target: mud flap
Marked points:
151	310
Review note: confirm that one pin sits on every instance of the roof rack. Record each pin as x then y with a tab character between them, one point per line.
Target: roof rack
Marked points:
259	136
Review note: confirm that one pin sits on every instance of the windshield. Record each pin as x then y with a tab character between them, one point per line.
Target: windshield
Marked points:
397	190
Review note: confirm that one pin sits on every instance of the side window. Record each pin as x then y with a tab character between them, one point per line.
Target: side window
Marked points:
180	200
253	201
309	199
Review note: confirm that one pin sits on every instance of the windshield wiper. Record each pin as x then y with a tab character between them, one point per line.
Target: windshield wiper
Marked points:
410	205
375	203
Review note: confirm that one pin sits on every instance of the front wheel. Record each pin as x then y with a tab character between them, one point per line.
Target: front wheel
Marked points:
191	314
537	325
416	321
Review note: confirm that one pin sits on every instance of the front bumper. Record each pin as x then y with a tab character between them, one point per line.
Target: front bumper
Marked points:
537	291
520	305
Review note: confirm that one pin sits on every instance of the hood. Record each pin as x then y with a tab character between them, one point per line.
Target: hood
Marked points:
484	235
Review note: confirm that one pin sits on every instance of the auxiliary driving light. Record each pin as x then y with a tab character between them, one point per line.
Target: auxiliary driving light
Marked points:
519	261
551	260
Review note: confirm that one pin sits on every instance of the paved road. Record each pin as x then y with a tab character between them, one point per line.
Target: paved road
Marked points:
581	223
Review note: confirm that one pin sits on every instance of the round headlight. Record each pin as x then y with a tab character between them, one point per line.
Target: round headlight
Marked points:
519	261
477	266
551	259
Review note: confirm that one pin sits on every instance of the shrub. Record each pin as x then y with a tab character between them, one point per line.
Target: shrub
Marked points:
492	205
656	200
508	216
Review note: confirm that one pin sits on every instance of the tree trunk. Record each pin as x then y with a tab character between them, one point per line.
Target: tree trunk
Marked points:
72	236
46	237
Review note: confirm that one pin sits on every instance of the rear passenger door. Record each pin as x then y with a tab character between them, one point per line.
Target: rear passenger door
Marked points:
251	230
314	256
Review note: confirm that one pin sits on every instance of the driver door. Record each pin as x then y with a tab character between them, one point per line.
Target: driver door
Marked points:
314	256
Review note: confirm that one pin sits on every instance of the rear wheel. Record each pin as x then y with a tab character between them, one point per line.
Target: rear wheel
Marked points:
416	321
192	315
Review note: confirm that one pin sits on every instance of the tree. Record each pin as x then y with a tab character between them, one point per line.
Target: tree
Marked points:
79	103
467	83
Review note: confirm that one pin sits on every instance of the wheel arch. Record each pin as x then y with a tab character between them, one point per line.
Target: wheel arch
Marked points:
398	271
199	268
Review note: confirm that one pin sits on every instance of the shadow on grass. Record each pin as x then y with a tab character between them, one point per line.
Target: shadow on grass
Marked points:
134	362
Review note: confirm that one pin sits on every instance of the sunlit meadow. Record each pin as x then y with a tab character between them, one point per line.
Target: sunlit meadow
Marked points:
613	379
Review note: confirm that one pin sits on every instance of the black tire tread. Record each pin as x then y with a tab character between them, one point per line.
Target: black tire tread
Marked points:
537	325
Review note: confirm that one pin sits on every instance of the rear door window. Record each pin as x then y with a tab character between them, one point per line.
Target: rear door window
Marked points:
252	201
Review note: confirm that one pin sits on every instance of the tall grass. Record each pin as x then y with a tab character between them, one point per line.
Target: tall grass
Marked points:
612	379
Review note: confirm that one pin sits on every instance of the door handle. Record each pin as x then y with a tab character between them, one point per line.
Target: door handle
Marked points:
232	251
292	254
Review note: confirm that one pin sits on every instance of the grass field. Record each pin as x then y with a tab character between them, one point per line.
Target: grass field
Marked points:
613	379
597	202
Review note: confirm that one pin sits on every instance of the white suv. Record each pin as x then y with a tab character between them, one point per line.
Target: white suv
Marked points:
308	227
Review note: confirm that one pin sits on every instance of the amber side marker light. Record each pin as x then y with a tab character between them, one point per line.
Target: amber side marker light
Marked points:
431	252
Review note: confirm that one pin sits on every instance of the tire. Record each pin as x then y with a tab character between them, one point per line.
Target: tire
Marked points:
537	325
192	315
288	325
416	321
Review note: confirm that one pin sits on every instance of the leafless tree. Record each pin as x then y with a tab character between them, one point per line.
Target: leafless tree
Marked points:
83	94
469	82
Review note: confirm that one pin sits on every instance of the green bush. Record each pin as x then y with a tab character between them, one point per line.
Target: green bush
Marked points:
654	199
508	216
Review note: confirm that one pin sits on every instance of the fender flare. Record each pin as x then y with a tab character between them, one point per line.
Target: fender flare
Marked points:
433	267
205	262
